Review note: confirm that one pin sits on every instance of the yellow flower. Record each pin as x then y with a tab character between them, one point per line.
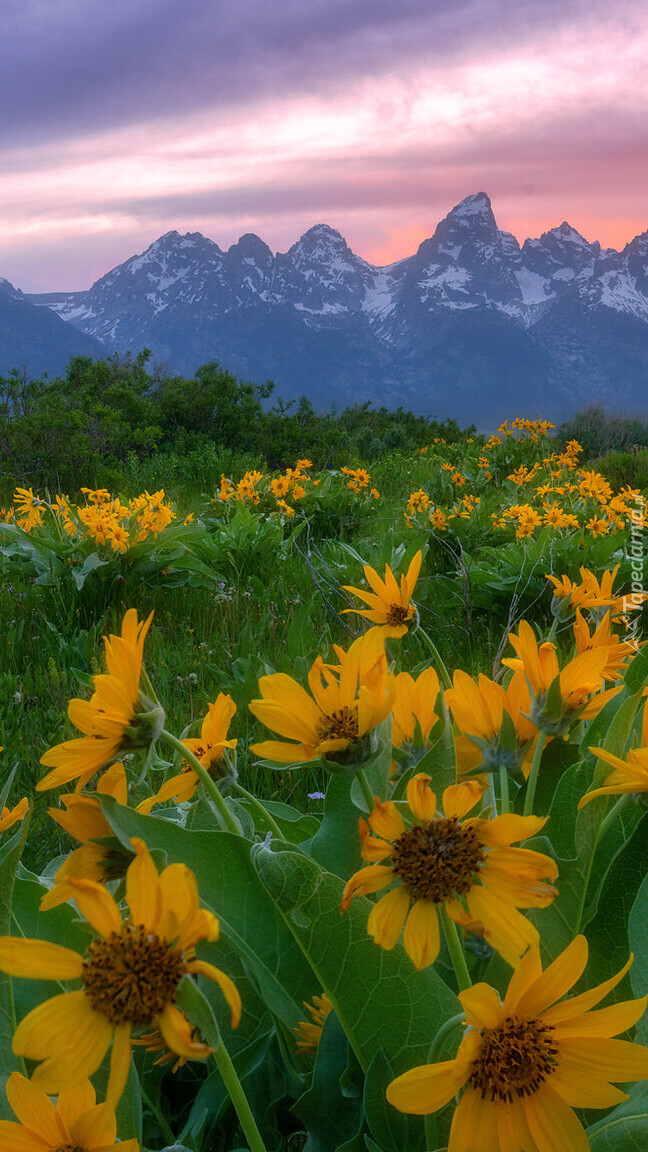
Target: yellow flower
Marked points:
209	748
129	977
618	651
468	866
630	776
524	1064
389	606
345	705
117	718
11	816
569	687
478	710
414	704
76	1122
309	1032
83	819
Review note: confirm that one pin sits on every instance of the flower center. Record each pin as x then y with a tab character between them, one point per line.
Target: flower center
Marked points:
131	976
340	725
515	1059
436	860
70	1148
397	614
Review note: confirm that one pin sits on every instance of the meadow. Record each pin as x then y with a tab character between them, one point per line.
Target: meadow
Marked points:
323	804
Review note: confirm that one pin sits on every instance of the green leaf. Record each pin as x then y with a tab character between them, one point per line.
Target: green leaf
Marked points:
330	1117
608	931
638	942
381	1001
336	846
625	1128
91	562
392	1129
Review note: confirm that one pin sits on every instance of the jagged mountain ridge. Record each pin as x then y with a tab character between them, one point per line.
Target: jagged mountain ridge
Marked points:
466	326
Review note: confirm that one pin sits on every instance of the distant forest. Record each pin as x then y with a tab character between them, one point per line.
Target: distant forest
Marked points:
111	423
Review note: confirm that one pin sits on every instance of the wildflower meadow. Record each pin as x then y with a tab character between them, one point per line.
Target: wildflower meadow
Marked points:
323	795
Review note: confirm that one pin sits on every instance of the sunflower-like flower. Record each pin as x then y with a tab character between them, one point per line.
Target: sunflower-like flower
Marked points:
414	705
524	1064
559	695
119	717
101	857
11	816
129	977
592	594
479	710
618	651
629	777
309	1032
390	607
75	1122
347	703
209	748
467	866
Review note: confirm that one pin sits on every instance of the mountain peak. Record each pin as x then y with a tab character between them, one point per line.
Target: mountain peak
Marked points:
476	205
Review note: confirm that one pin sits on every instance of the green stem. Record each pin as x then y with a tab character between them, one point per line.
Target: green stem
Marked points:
159	1118
446	1028
504	788
455	949
613	813
261	810
198	1008
226	818
444	676
533	774
369	797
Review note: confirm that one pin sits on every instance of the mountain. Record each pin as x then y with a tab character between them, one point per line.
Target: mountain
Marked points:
35	340
473	325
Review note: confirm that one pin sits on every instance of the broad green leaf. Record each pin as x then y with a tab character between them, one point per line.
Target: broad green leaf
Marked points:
608	931
625	1129
330	1117
392	1129
381	1001
638	942
336	846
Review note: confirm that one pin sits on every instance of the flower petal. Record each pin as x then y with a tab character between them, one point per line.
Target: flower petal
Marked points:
94	1129
474	1125
427	1088
369	879
176	1030
73	1101
387	917
38	959
120	1061
97	905
556	980
482	1006
421	798
227	986
35	1110
15	1138
552	1123
142	888
421	938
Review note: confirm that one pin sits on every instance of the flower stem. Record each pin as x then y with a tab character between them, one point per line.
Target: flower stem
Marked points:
533	774
444	675
199	1010
455	949
261	810
504	788
226	818
366	789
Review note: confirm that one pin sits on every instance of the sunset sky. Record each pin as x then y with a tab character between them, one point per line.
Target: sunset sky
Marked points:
122	119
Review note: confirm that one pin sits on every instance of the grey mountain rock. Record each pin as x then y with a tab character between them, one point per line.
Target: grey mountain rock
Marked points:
473	325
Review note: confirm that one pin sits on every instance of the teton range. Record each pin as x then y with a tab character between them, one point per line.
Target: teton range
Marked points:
471	326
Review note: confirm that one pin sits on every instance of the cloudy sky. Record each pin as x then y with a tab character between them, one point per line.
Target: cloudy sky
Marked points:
122	119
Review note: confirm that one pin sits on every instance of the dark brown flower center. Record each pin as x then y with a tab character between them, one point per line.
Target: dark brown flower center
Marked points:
340	725
131	976
437	860
397	615
515	1059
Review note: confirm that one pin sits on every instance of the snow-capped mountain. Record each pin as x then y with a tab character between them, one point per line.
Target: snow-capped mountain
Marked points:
472	325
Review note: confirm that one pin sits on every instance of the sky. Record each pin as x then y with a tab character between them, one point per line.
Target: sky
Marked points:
124	119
